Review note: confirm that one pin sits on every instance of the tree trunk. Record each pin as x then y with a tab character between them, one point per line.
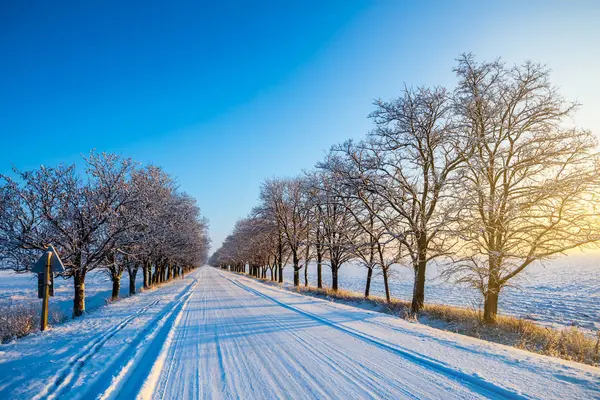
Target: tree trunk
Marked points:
334	276
319	270
371	256
116	286
490	305
419	287
280	259
386	284
306	274
296	270
306	259
132	275
368	285
296	277
79	298
146	273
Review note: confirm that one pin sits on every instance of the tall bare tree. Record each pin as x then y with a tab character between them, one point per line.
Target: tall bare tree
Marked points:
315	203
338	226
410	162
529	184
374	245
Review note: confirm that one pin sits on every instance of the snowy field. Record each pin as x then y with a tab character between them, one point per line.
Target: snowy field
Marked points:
21	289
561	292
217	335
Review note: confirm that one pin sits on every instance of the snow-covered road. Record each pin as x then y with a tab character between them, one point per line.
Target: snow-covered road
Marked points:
220	335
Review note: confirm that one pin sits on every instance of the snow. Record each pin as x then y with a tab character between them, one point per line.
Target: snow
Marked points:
558	293
21	289
215	334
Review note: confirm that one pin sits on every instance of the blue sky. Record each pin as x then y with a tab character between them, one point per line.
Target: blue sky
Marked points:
226	94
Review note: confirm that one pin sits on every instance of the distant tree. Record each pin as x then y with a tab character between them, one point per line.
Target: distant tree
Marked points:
339	229
315	203
285	200
374	246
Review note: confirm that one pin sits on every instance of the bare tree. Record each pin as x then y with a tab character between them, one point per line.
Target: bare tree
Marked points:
338	226
285	200
410	162
529	184
488	178
374	245
102	220
315	204
54	205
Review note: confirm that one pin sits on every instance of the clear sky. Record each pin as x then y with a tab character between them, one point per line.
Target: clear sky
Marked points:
225	94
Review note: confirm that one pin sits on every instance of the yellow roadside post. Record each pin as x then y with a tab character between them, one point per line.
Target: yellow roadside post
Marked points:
48	263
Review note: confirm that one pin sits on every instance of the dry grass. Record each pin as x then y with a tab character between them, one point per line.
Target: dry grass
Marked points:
568	343
571	344
18	320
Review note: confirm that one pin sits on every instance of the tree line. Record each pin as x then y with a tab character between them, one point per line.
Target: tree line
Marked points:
116	217
484	179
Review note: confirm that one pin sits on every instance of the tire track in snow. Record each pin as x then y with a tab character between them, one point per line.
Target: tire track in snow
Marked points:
366	376
278	352
67	375
431	364
351	375
176	356
170	365
136	365
254	366
222	374
360	377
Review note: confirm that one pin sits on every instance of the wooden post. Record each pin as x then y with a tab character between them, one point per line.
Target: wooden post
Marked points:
46	291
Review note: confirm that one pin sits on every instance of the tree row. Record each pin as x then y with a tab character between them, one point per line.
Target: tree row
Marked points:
114	216
484	180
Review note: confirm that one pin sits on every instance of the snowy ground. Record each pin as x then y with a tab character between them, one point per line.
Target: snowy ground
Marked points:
218	335
20	289
561	292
